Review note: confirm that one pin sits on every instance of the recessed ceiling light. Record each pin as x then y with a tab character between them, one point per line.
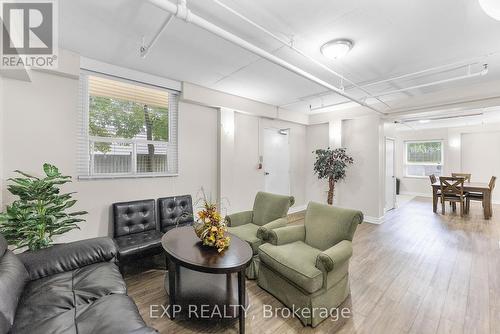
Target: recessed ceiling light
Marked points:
491	7
423	121
337	48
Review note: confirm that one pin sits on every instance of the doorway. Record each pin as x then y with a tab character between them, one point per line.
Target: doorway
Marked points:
276	159
390	178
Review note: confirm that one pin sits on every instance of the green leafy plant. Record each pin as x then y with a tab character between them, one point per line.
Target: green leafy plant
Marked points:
40	212
331	164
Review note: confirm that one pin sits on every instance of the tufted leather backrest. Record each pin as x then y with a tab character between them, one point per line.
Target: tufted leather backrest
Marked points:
134	217
171	210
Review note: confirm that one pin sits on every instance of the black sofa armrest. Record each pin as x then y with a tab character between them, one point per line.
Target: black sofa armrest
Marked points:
66	257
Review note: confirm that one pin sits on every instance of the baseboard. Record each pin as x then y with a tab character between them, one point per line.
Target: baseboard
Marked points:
417	194
374	220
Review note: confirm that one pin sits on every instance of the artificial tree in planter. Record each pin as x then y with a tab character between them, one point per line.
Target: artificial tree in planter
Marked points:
331	164
40	213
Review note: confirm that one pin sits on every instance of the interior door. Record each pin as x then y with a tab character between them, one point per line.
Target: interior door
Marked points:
390	179
276	161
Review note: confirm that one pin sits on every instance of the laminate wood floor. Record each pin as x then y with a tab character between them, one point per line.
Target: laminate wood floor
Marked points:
419	272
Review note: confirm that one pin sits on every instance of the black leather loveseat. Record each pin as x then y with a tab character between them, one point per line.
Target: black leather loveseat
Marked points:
67	288
138	230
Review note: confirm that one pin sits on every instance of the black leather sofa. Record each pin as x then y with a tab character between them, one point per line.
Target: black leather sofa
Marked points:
138	232
67	288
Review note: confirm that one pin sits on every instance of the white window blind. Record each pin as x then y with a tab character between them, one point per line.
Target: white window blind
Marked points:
126	129
423	158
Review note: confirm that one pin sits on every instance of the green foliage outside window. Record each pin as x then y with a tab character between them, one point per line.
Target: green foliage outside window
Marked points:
114	118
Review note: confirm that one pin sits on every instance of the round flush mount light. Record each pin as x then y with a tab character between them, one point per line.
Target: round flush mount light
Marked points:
337	48
491	7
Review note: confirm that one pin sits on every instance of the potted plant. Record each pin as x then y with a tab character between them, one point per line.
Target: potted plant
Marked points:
331	164
40	212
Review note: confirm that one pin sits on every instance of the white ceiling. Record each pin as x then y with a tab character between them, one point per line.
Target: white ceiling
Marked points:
392	37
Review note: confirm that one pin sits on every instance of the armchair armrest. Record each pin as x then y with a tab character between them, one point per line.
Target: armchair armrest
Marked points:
264	229
67	257
286	235
330	258
240	218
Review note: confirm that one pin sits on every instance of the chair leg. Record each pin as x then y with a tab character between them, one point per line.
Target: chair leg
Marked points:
454	206
467	205
462	208
443	211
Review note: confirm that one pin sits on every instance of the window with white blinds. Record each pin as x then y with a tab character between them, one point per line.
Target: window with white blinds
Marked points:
126	129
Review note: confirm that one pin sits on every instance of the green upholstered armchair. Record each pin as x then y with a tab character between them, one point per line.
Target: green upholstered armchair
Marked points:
306	266
269	211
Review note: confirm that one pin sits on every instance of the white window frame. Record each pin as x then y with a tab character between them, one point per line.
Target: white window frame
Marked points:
406	163
85	165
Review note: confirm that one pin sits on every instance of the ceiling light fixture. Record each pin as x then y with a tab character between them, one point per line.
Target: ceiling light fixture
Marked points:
337	48
491	7
423	121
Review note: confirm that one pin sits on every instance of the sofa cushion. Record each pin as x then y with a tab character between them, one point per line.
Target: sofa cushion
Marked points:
294	261
268	207
247	232
49	304
110	314
13	277
67	257
138	243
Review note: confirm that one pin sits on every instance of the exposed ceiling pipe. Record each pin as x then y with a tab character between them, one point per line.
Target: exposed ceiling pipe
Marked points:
181	11
440	118
484	71
453	66
144	50
329	105
302	53
449	106
437	69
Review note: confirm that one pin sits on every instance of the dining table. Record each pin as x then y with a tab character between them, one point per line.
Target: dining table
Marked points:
476	187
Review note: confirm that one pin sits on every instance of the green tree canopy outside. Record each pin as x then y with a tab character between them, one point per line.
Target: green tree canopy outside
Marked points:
114	118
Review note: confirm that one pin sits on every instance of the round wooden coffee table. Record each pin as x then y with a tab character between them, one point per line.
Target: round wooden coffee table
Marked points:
202	282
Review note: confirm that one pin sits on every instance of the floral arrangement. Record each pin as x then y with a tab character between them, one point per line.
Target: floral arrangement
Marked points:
210	227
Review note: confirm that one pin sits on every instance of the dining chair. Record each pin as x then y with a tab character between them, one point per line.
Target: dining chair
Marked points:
433	179
452	190
473	196
466	176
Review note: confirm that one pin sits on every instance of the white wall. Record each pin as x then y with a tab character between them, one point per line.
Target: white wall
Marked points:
316	138
42	119
364	185
477	158
454	154
240	178
42	128
412	185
